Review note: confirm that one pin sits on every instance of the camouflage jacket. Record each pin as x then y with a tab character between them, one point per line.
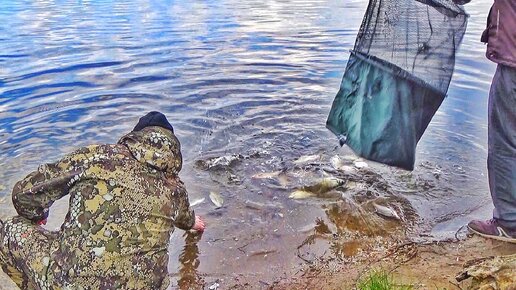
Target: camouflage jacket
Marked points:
125	200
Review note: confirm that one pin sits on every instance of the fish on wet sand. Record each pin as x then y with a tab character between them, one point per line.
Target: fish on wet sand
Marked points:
279	176
222	161
339	164
320	189
360	164
301	194
325	185
197	201
336	162
345	164
266	175
216	199
307	159
386	211
256	205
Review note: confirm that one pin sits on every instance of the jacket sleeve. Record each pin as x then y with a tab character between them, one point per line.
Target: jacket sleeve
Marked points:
33	195
184	216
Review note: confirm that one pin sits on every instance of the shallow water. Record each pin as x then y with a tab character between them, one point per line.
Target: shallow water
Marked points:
255	78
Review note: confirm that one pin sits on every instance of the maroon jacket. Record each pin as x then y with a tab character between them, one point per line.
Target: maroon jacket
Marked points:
500	33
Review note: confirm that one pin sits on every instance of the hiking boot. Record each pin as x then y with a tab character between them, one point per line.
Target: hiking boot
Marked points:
492	230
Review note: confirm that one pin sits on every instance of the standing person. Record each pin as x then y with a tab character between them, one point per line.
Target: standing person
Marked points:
125	200
500	36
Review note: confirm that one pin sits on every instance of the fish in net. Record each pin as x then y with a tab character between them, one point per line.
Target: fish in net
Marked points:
396	77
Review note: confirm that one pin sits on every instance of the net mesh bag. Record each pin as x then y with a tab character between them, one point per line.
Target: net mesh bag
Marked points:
396	77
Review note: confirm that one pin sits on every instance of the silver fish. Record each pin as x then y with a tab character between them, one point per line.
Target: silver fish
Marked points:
339	164
301	194
254	205
350	157
360	164
386	211
325	185
266	175
222	161
217	199
197	201
350	185
283	180
336	162
307	159
321	189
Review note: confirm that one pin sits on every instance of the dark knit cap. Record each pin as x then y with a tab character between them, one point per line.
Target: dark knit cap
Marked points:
153	119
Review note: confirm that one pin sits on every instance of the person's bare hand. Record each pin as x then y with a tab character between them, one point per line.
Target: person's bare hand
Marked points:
199	224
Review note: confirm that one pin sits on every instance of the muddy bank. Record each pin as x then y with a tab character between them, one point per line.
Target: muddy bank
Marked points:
423	265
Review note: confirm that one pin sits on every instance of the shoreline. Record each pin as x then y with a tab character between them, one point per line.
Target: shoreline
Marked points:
422	265
431	265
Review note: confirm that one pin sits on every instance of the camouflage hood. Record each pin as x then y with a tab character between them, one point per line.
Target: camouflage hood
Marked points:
156	147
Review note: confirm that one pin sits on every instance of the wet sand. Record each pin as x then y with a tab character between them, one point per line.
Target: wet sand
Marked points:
424	266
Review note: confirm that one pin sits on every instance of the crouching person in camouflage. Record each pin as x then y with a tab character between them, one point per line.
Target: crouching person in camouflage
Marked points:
125	200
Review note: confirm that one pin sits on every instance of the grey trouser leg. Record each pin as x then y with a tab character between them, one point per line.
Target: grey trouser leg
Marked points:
501	160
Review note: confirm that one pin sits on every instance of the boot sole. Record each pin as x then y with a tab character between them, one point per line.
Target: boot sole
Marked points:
499	238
